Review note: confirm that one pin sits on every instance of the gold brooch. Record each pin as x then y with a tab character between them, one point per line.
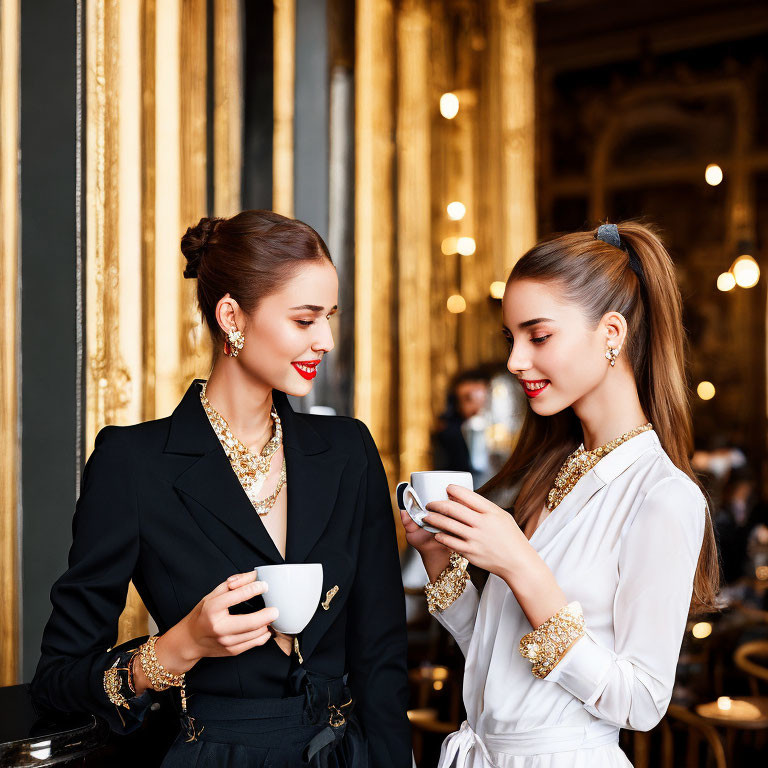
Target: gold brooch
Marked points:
329	595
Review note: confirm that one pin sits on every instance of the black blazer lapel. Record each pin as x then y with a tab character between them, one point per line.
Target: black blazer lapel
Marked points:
313	471
211	482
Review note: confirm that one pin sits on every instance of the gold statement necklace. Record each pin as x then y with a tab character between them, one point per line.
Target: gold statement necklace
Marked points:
581	461
251	470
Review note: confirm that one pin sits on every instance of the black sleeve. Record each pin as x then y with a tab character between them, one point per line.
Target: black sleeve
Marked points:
89	598
376	635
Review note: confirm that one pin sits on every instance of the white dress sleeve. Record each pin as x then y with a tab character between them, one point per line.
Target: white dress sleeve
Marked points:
631	685
459	617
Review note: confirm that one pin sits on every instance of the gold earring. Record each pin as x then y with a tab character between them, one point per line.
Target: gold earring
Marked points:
611	353
233	343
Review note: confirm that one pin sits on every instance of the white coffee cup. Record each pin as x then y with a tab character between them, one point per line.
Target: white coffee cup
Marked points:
426	487
294	589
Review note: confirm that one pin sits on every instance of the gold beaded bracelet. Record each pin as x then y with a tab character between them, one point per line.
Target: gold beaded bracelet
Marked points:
159	677
447	587
546	645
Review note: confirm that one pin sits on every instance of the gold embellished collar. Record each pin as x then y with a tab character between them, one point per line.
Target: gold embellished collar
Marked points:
582	461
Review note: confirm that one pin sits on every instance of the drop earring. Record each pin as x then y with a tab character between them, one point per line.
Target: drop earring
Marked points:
611	353
233	343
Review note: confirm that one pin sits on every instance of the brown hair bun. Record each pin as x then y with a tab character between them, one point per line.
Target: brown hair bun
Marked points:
195	242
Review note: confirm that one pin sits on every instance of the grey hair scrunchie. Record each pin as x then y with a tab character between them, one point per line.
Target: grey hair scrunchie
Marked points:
609	233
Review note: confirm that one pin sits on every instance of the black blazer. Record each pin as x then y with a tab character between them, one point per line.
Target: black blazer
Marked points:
161	505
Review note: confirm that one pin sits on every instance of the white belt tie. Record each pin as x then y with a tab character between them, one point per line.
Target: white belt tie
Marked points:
538	741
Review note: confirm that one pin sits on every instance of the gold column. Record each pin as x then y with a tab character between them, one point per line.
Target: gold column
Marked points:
284	89
414	234
114	243
10	582
375	353
512	55
169	296
444	282
195	344
228	109
148	38
107	379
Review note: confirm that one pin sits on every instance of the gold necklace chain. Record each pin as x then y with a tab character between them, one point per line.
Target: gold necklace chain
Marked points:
251	470
581	461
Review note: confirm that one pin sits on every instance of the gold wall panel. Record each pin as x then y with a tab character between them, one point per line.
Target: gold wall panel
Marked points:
10	339
284	93
444	325
168	296
114	240
376	369
484	158
414	224
148	40
512	55
108	380
227	109
193	164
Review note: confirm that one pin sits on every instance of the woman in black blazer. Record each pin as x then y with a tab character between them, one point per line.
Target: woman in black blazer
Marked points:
162	504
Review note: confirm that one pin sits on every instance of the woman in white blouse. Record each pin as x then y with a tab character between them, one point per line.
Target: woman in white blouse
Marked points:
578	629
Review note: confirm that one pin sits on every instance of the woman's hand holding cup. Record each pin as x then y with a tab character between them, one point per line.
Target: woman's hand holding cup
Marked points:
284	642
415	496
210	630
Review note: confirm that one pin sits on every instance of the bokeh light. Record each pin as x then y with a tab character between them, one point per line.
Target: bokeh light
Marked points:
745	271
725	281
449	246
466	246
456	303
705	390
497	289
456	210
449	105
713	174
701	630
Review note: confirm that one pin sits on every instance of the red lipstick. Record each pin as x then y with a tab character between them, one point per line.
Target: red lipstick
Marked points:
307	369
534	387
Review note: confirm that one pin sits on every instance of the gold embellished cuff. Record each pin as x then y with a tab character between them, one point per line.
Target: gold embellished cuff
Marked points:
546	646
449	585
118	679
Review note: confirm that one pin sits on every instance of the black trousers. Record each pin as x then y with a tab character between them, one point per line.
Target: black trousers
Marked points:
316	728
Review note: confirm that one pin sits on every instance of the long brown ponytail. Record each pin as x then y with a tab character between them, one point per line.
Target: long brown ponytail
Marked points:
597	276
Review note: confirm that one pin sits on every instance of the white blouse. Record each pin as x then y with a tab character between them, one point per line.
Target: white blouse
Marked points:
625	543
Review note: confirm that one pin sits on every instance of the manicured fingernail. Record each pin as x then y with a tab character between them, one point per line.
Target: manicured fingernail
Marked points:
232	578
263	586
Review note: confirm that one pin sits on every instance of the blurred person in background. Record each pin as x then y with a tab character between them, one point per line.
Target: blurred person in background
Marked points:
459	442
734	522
